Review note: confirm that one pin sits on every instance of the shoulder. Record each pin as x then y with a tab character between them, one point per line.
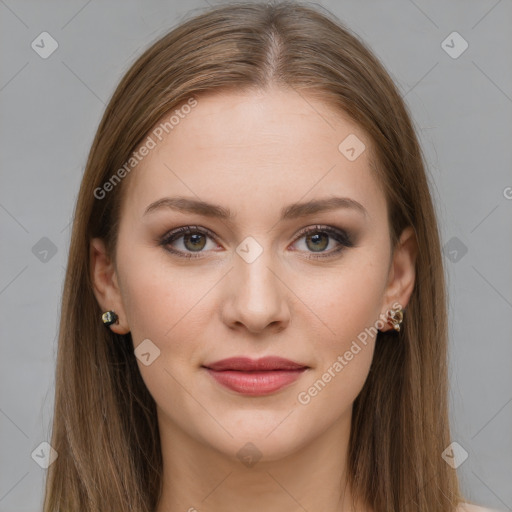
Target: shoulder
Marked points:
470	507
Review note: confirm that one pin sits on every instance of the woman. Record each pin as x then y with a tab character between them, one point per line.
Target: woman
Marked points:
254	307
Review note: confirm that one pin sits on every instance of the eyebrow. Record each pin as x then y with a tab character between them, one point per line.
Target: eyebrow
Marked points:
292	211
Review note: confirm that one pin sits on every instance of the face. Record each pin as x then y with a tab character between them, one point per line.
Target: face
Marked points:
302	286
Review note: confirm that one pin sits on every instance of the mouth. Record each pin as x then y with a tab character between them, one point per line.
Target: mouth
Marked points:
246	364
255	377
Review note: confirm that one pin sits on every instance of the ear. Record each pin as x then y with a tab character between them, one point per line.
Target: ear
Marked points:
105	285
402	272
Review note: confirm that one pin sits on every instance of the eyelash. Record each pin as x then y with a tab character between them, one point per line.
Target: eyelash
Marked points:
342	237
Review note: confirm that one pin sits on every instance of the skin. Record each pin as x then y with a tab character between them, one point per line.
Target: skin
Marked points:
254	153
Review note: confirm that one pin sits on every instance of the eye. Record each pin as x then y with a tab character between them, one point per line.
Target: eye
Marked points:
194	240
317	239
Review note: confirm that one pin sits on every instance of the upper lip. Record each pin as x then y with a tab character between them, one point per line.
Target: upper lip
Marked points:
248	364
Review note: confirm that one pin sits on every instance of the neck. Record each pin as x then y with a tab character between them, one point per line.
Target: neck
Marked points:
198	477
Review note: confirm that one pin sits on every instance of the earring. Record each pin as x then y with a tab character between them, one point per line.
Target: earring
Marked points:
395	317
109	318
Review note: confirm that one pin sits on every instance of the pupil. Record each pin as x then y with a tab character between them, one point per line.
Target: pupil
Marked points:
315	239
195	240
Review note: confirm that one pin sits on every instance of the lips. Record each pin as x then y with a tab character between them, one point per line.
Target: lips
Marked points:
255	377
245	364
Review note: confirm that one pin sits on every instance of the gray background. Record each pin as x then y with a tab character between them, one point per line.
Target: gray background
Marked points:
50	109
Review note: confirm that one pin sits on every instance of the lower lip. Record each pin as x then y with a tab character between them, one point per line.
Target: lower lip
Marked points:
256	383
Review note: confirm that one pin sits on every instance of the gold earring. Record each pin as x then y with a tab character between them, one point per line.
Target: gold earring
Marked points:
395	317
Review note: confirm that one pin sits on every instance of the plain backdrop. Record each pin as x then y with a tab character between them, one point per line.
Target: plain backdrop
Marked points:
461	102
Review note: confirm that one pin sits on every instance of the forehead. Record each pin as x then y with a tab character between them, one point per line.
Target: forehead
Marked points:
245	149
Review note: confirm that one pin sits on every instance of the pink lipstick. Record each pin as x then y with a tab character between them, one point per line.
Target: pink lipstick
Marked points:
255	377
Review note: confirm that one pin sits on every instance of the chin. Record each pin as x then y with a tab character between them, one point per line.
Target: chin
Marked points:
266	441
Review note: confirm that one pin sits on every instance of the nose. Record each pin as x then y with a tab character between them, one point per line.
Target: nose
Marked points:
257	297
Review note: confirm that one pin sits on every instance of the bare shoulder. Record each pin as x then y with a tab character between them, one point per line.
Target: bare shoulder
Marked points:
470	507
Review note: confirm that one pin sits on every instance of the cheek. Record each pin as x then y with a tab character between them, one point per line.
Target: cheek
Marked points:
330	392
349	305
343	359
165	306
348	302
161	300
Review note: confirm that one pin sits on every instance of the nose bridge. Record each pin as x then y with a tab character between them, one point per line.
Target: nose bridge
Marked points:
253	271
259	297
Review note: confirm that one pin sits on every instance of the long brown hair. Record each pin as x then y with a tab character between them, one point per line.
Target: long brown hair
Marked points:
105	427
